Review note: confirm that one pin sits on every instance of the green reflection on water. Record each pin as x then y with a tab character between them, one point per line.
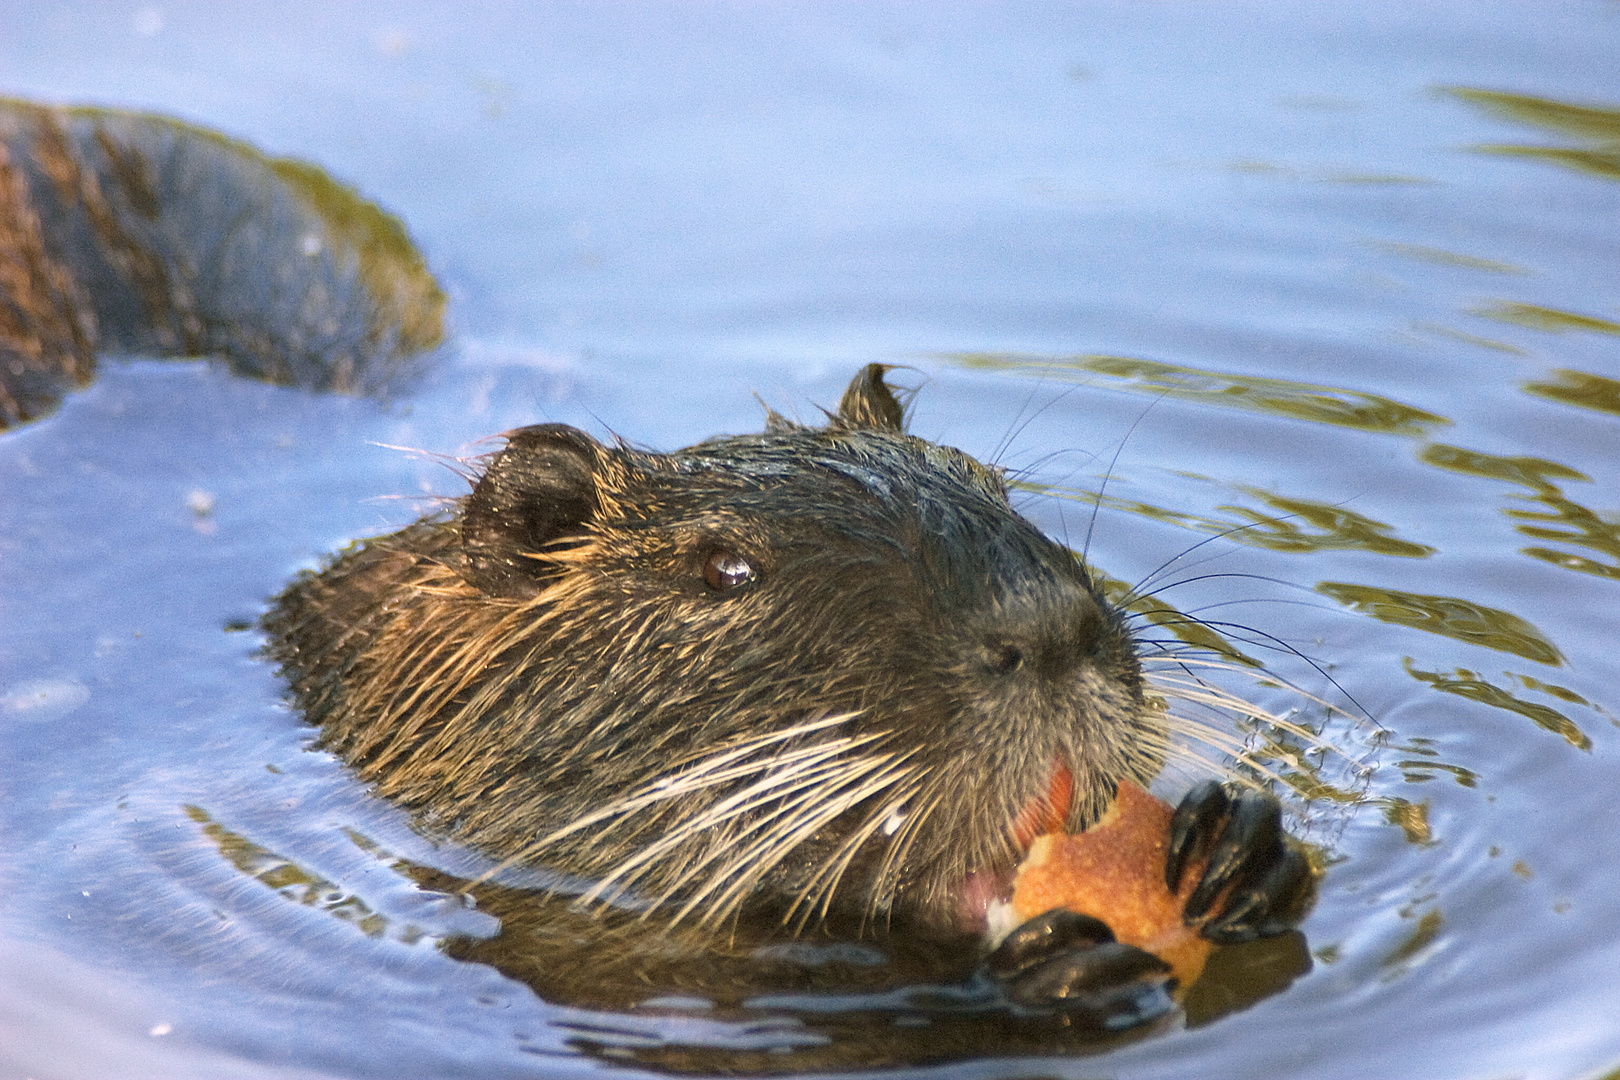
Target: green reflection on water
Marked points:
290	880
1428	928
1339	529
1284	172
1596	126
1417	772
1423	769
1579	389
1552	320
1582	121
1412	819
1469	339
1442	257
1279	397
1375	179
1565	521
1448	616
1470	685
1562	693
1600	162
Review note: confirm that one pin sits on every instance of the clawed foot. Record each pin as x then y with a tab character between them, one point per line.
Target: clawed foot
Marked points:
1071	963
1255	884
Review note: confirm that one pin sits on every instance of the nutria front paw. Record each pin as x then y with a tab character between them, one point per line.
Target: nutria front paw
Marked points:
1255	883
1070	963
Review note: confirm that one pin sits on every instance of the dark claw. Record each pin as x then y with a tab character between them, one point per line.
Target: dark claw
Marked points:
1090	977
1069	962
1272	906
1253	884
1043	937
1250	840
1193	828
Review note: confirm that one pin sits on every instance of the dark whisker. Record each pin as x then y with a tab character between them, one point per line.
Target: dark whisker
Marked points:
1275	601
1217	576
1020	477
1263	639
1019	426
1096	504
1015	428
1143	585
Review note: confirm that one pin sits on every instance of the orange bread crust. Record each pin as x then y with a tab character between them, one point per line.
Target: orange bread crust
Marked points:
1114	871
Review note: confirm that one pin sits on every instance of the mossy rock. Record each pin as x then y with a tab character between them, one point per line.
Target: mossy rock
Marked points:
126	232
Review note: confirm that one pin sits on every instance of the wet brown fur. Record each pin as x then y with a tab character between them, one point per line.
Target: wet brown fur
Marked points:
544	672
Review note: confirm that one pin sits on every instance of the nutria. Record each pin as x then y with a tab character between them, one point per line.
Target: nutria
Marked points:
816	672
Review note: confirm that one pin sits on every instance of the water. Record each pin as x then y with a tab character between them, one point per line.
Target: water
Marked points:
1337	289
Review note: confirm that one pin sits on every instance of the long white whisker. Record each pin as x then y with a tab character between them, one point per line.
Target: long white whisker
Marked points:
744	883
712	773
827	879
901	844
707	773
796	776
1220	740
1217	664
806	789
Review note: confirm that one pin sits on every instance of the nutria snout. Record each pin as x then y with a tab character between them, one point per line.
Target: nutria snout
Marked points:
815	668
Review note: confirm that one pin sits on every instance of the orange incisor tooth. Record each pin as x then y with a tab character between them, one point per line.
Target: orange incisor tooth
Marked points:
1046	813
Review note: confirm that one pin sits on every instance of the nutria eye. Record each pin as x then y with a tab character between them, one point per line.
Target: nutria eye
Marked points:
726	570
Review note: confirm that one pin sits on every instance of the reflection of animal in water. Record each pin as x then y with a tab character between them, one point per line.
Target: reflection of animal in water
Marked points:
807	680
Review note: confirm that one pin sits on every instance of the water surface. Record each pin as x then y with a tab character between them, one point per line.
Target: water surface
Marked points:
1345	278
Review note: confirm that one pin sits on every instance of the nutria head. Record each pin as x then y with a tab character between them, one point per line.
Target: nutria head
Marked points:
817	668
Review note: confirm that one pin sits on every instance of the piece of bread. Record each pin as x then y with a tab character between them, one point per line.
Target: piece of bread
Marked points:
1114	871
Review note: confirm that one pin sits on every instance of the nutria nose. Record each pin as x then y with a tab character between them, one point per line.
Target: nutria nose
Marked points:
1044	638
1004	657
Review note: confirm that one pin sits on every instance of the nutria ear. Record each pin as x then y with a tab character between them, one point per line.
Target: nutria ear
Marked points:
537	491
870	403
